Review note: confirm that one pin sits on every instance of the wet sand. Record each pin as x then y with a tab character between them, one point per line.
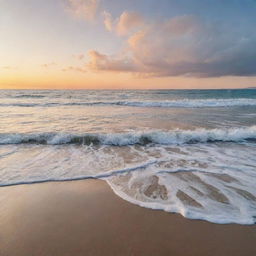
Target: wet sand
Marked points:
87	218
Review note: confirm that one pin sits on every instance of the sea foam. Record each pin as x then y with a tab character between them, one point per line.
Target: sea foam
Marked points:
177	137
200	181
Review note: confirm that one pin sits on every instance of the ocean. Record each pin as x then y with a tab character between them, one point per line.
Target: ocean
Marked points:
191	152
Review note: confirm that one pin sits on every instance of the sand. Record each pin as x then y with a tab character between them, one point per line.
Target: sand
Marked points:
87	218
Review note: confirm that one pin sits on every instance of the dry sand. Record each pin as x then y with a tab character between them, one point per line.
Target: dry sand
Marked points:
87	218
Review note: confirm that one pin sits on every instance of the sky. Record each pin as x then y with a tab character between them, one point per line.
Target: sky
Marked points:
120	44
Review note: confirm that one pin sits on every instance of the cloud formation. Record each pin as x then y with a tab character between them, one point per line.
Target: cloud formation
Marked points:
181	46
100	61
84	9
123	25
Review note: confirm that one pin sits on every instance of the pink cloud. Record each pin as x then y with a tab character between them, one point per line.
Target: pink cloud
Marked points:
100	61
181	46
125	24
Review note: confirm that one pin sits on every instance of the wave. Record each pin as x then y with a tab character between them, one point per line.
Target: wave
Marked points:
189	103
184	103
23	104
103	175
176	137
28	96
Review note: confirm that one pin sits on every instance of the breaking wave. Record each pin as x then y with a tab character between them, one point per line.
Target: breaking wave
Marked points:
176	137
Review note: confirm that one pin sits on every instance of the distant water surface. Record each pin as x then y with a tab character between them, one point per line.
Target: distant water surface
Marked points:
187	151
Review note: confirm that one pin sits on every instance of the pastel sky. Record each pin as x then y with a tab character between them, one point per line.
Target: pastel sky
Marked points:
121	44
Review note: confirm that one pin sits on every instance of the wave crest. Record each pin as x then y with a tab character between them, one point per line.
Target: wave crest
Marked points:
176	137
184	103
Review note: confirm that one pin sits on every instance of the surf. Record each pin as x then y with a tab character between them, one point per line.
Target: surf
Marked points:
172	137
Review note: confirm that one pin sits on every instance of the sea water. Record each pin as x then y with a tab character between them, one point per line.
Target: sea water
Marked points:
191	152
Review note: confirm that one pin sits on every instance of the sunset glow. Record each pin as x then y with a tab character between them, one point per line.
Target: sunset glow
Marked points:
113	44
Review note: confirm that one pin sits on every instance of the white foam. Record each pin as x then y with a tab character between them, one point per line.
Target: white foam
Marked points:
177	137
219	177
220	189
191	103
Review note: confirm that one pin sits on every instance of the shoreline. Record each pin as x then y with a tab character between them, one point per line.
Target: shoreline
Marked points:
87	218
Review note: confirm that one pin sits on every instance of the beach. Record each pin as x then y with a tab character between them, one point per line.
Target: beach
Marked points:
190	152
87	218
127	128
